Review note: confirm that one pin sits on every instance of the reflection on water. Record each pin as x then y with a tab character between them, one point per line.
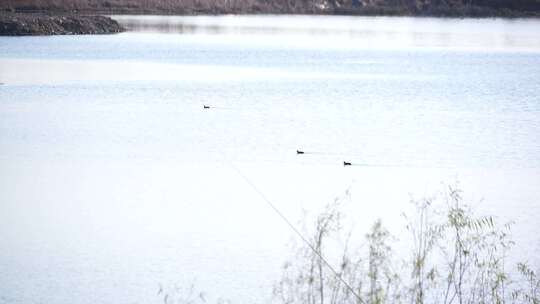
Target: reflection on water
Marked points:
369	31
51	72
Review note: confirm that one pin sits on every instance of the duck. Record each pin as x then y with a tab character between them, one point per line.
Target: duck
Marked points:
346	163
299	152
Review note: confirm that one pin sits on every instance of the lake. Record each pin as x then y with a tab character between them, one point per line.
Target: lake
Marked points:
114	180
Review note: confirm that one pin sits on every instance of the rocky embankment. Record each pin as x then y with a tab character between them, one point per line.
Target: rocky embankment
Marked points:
27	24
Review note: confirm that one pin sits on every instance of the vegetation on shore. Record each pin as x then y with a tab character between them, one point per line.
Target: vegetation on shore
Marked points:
16	24
451	255
453	8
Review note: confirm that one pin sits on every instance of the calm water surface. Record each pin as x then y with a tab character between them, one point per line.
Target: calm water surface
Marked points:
113	179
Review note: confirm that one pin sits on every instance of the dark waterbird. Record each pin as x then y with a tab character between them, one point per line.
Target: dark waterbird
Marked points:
299	152
206	107
346	163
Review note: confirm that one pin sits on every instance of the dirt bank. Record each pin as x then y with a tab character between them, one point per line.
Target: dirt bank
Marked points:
22	24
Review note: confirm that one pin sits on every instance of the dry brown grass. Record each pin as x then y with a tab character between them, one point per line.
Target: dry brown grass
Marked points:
164	6
475	8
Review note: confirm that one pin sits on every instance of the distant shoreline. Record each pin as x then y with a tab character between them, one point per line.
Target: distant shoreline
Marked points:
435	12
422	8
76	17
